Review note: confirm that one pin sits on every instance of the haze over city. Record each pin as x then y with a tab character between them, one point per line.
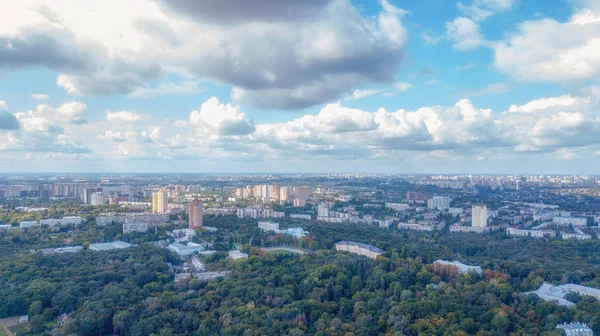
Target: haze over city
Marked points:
474	86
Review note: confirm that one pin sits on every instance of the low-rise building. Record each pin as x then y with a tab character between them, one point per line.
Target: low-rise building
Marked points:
144	217
68	249
268	226
397	206
236	254
109	246
28	224
464	228
461	268
417	227
68	220
550	293
576	329
184	250
299	216
211	275
578	236
566	221
359	248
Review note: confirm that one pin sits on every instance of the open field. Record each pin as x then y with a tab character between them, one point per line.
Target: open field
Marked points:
283	250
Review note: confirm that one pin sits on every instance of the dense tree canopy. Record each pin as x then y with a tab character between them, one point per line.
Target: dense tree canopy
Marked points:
132	292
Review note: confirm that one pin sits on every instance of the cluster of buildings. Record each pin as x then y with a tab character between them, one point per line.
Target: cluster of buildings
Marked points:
359	248
553	224
273	193
297	232
479	221
52	222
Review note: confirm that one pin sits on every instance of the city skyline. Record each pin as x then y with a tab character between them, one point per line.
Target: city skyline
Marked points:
321	86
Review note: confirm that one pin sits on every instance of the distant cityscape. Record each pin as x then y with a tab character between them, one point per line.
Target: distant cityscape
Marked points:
171	212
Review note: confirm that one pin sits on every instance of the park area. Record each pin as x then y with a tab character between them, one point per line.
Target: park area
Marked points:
283	250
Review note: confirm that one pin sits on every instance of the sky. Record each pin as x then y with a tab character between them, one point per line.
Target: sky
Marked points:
389	86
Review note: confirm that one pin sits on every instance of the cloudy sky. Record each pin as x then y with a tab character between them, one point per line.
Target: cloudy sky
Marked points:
473	86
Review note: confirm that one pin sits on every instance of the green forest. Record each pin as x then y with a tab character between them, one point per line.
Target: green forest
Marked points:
132	292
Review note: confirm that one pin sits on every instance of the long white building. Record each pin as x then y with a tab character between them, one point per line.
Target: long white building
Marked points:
359	248
566	221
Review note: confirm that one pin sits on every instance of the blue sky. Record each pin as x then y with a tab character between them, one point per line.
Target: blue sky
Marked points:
474	86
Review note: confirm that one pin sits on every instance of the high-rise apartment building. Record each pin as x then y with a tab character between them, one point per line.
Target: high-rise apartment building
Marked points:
479	216
265	193
285	194
302	192
275	192
323	210
195	213
97	198
87	194
160	201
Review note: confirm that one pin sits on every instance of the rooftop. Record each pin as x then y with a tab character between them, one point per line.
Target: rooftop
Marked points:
361	245
109	246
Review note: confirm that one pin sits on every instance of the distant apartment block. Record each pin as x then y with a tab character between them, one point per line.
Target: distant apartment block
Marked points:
323	210
28	224
97	198
416	227
268	226
479	216
299	216
299	202
145	217
417	196
135	227
160	202
439	202
195	214
531	233
423	226
397	206
464	228
566	221
302	192
359	248
69	220
579	235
